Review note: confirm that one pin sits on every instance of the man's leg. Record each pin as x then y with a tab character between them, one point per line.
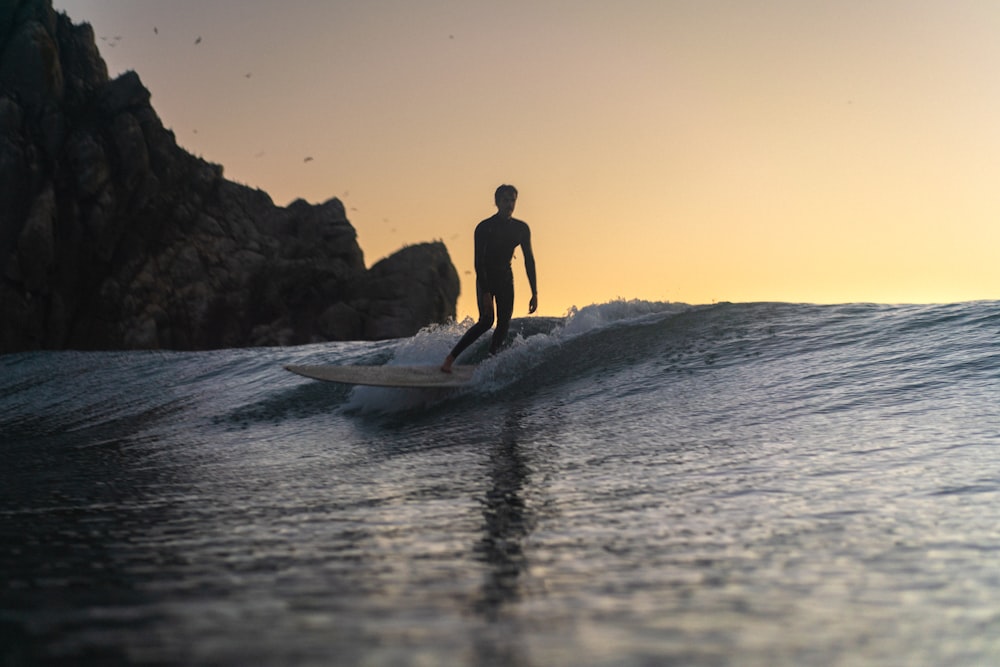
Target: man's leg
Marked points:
505	309
485	300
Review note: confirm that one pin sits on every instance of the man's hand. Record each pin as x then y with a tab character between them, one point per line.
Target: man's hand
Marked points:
533	304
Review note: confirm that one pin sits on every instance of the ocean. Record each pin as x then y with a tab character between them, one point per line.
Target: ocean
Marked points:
633	484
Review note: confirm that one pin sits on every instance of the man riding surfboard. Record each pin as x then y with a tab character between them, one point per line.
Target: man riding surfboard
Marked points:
496	238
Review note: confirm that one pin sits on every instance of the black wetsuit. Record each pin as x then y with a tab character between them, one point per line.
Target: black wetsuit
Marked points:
496	238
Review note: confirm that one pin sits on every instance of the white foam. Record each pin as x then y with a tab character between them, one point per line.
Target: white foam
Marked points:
598	316
431	345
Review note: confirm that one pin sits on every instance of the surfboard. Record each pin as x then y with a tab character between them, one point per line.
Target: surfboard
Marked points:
388	376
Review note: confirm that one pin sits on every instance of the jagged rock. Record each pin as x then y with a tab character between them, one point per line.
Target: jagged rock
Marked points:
31	65
84	71
36	243
13	162
89	164
418	281
111	236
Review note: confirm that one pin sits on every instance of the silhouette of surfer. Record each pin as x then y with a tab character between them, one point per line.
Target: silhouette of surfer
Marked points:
496	238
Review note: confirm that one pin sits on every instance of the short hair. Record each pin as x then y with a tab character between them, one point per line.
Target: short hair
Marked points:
503	189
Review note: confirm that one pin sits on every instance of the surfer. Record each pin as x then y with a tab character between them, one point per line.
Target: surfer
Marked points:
496	238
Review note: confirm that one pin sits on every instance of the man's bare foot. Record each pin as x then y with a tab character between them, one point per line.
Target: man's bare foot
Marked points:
446	366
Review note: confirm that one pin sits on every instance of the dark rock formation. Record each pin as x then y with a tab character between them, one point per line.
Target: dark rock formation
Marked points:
111	236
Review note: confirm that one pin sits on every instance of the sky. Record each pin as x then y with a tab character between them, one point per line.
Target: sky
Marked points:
665	150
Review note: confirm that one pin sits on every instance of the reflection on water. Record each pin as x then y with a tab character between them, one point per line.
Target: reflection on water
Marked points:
506	522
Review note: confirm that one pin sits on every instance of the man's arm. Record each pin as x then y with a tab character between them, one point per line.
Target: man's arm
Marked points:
479	252
529	267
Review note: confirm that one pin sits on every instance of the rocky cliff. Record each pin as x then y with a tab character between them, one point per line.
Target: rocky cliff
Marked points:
111	236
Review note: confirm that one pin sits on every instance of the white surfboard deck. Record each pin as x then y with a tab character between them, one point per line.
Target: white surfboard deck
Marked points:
388	376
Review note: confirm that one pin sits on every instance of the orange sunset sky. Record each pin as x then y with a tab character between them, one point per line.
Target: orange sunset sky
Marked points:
667	150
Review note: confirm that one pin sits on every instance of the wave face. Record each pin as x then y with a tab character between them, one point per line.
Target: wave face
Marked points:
635	483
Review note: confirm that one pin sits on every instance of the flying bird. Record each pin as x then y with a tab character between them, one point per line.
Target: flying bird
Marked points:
308	159
155	31
198	41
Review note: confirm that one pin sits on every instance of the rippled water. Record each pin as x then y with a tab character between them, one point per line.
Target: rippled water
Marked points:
638	484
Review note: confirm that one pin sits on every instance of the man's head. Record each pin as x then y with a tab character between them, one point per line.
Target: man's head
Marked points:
505	198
